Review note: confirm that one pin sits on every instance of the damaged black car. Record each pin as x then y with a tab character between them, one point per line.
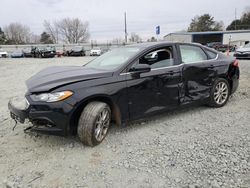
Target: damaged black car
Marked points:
125	84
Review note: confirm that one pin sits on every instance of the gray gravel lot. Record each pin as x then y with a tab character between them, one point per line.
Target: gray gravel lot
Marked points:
192	147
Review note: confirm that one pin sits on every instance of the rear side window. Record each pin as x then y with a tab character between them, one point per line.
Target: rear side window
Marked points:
191	54
211	55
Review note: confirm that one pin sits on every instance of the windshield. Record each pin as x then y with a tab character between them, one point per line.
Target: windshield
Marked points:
113	59
17	52
77	48
247	45
47	48
96	48
26	50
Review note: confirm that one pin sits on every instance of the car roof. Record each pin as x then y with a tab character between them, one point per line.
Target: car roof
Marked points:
148	44
155	44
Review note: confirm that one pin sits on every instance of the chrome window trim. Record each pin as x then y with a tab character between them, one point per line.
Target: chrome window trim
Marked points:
160	68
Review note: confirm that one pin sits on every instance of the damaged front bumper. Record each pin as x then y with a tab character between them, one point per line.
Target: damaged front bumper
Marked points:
18	109
47	118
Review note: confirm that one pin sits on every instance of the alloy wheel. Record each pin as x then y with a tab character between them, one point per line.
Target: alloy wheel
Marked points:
102	125
221	93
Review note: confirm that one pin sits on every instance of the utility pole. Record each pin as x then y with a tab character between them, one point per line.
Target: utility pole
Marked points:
125	22
235	16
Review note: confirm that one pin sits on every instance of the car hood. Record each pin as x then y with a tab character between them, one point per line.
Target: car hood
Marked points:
53	77
95	50
3	53
242	49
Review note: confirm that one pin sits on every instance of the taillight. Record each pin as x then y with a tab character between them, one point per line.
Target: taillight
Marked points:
236	63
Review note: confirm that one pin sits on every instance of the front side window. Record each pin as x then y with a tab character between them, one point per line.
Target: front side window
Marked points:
191	54
158	58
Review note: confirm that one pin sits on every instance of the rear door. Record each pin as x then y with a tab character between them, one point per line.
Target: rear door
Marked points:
198	73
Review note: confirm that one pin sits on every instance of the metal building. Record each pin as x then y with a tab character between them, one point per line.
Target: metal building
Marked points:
238	37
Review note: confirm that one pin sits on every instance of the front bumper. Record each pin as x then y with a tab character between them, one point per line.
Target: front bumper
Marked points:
242	55
76	54
48	54
48	118
95	54
17	113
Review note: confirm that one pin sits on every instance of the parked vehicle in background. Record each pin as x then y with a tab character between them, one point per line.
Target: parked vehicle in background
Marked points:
213	44
76	51
125	84
44	52
225	47
96	51
27	52
17	54
3	54
221	47
243	52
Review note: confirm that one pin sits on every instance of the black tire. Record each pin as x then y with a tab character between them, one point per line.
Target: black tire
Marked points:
215	94
88	123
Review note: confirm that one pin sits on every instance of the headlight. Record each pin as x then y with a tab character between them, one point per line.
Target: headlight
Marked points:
52	97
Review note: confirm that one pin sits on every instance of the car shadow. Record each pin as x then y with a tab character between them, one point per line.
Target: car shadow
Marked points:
163	116
58	141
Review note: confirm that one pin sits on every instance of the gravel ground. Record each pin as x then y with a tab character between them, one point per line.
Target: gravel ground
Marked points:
192	147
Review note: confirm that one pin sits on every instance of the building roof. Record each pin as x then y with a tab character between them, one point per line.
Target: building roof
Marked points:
209	32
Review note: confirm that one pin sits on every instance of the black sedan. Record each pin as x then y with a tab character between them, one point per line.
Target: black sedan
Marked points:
76	51
44	52
27	52
125	84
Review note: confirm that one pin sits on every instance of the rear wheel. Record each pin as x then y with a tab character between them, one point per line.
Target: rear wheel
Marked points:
220	93
94	123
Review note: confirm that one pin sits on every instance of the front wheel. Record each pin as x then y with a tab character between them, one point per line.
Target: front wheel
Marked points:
94	123
220	93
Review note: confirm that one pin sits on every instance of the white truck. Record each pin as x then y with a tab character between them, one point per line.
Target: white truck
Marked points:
3	54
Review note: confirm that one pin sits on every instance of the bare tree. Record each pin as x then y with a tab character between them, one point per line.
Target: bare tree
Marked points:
70	30
34	39
135	38
117	41
17	33
52	30
73	30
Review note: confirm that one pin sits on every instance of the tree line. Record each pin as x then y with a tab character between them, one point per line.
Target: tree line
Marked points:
206	22
75	30
67	30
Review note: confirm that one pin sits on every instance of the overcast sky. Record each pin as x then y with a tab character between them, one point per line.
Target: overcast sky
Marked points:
106	17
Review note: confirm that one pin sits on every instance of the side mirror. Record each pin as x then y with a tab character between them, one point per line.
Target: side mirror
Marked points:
140	68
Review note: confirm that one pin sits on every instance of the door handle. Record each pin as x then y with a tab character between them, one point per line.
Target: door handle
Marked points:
171	73
210	67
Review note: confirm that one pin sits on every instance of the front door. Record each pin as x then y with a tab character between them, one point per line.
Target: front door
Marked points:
155	90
